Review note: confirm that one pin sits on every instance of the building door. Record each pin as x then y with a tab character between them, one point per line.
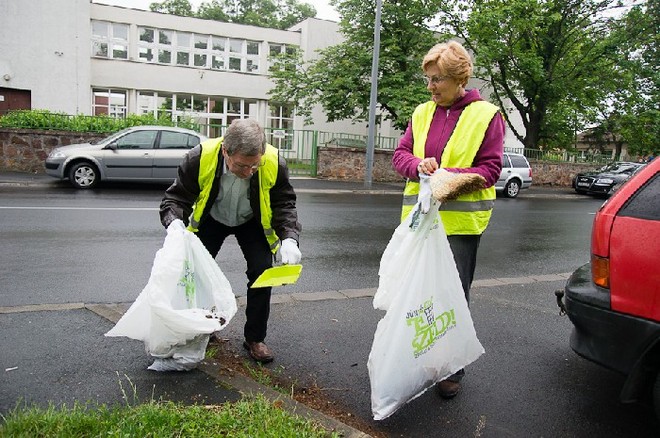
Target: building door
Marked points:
12	99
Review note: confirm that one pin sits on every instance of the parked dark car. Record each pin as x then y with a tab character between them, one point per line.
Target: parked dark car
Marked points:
614	301
139	153
601	182
618	185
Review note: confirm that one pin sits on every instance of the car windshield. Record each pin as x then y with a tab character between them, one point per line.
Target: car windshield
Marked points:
618	168
111	137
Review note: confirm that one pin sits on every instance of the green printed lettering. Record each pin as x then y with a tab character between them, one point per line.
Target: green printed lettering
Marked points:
187	281
426	327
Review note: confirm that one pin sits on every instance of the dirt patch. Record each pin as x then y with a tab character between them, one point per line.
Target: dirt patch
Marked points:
233	359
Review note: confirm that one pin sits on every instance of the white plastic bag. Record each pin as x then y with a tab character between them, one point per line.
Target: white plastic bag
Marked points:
427	332
186	299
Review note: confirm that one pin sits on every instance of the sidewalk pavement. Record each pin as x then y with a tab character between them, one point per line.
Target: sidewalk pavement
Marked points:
58	354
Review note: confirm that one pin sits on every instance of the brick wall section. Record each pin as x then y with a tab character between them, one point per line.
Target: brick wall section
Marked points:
25	150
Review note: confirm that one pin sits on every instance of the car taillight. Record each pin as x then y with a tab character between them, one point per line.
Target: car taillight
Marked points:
600	271
530	172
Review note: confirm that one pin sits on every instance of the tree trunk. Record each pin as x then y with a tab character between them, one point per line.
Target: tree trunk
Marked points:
533	132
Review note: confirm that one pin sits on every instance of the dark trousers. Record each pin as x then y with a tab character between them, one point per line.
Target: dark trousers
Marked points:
464	248
255	248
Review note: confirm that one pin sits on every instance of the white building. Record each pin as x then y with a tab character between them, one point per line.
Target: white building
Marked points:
78	57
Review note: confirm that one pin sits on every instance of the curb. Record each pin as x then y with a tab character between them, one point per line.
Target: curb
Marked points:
247	386
373	192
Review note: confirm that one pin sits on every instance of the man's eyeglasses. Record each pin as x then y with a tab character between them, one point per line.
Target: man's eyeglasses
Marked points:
434	79
243	167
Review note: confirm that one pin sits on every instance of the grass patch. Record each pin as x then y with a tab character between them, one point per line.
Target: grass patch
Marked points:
211	352
249	417
268	377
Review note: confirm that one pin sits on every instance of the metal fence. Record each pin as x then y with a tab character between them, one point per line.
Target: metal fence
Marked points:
562	156
300	147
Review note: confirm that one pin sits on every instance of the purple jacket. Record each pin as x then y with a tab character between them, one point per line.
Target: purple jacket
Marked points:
487	162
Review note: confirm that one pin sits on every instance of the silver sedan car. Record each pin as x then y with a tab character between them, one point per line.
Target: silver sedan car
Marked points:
140	153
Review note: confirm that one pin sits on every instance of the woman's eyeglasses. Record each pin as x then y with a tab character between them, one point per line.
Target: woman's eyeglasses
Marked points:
434	79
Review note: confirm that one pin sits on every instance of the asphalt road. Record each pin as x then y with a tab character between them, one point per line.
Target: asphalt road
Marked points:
65	246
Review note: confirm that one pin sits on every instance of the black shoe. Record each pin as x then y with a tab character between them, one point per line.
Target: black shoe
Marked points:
448	389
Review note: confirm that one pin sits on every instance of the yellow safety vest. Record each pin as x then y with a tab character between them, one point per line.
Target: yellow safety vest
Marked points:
267	175
470	213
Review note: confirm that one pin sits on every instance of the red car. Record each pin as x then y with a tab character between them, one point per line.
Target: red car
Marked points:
614	301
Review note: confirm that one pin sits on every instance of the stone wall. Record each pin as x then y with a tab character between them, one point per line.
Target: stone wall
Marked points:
557	174
349	164
25	150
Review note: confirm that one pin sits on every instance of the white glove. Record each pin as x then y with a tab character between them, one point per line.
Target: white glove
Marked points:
289	251
424	197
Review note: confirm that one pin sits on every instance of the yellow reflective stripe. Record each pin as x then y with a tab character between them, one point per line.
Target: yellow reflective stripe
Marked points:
193	226
467	205
273	240
456	205
410	200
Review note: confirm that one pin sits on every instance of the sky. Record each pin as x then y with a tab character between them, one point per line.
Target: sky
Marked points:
323	8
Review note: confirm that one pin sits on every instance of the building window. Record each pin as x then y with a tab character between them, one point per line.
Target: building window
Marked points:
200	50
109	102
164	47
146	45
109	40
280	124
195	106
193	50
157	104
183	41
218	53
276	50
252	57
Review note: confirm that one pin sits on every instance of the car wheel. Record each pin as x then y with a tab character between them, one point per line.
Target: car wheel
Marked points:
512	188
83	175
656	396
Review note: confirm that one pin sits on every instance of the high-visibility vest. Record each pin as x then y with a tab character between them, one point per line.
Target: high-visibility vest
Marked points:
469	213
267	175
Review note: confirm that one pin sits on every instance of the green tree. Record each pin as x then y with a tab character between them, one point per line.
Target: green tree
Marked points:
182	8
633	112
553	60
278	14
339	78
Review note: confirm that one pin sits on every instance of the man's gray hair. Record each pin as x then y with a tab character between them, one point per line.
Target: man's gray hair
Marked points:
245	137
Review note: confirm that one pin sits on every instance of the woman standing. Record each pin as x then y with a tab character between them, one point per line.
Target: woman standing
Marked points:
460	132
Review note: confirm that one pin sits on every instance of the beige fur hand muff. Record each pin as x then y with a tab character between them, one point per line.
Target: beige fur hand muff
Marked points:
446	186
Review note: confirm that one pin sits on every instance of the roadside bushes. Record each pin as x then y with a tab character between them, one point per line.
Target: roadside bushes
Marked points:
47	120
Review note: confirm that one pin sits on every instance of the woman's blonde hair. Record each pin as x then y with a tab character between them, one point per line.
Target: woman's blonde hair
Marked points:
452	60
